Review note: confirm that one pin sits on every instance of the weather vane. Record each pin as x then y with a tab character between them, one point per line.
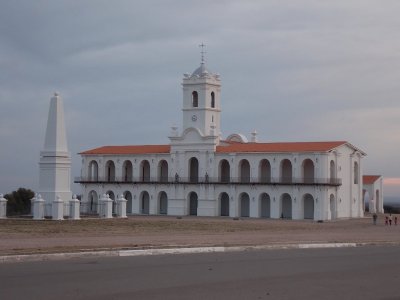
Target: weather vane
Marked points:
202	46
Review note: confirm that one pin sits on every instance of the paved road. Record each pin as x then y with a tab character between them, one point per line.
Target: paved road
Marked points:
345	273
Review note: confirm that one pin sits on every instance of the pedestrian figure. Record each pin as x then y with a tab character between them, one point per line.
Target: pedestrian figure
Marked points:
395	220
386	220
374	217
390	219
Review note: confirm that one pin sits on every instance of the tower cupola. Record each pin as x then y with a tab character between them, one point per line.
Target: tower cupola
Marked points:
201	100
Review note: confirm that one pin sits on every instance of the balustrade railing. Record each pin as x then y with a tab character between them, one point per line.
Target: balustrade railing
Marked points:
213	180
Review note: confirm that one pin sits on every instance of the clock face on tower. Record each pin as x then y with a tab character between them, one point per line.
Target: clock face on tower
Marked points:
194	118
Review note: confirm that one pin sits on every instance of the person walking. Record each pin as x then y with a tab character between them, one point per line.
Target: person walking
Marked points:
395	220
390	219
386	220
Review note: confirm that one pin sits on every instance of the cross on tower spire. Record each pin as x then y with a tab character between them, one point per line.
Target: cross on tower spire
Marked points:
202	46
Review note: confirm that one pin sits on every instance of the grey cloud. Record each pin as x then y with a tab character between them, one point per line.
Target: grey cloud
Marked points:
293	70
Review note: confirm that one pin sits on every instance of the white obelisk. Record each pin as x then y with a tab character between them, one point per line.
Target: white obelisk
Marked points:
55	160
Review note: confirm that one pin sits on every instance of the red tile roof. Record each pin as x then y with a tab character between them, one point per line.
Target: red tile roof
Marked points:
280	147
370	179
228	148
137	149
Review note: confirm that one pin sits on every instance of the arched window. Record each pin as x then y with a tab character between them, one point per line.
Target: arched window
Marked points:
195	99
308	171
212	100
286	171
145	171
163	171
127	171
193	170
224	171
356	173
244	170
110	171
93	172
265	171
332	171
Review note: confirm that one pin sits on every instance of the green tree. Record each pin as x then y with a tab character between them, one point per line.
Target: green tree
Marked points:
19	202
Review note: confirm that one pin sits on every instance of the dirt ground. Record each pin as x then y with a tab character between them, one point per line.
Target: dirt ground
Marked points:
24	236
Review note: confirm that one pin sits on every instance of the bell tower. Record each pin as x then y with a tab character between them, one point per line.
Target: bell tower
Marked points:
201	100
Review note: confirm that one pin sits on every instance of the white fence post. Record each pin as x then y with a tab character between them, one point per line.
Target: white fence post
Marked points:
3	207
74	208
38	208
106	207
58	209
121	207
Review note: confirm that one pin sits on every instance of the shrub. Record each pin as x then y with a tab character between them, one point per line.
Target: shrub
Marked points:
19	202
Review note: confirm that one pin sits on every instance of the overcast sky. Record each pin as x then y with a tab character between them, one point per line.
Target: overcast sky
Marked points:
299	70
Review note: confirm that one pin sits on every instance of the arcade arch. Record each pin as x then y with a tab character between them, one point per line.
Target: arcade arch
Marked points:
308	206
224	204
162	203
286	171
265	206
224	171
110	171
244	205
286	206
144	203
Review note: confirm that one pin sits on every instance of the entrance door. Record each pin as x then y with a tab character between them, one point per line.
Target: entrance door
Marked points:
193	204
224	205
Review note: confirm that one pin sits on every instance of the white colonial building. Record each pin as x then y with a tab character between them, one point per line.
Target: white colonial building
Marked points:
199	173
373	193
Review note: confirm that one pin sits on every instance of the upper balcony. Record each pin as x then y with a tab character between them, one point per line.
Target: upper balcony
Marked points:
214	180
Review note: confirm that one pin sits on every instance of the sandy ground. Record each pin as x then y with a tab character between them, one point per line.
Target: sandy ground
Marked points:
23	236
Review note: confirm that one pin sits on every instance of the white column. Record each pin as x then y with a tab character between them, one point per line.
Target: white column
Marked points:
74	213
3	207
57	209
275	205
38	208
121	207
